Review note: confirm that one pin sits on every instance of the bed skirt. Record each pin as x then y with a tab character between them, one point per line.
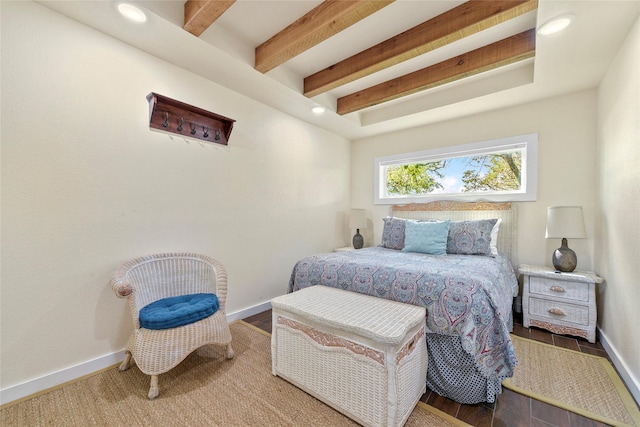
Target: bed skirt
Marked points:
452	372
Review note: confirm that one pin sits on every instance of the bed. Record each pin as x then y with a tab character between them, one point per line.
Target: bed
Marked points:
468	290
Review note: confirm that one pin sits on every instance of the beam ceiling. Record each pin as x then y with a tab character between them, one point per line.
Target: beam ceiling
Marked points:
462	21
332	16
507	51
324	21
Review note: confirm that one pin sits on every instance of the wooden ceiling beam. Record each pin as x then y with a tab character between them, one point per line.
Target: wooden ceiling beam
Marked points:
200	14
455	24
498	54
324	21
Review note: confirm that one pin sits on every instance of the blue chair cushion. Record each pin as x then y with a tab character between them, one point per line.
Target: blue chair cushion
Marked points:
178	311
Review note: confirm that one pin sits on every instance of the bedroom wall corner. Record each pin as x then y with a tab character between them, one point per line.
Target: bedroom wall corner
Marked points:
86	186
617	227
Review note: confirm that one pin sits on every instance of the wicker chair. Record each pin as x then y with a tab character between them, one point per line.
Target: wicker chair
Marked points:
148	279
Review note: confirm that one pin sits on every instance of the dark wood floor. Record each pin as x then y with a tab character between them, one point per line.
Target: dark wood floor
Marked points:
510	409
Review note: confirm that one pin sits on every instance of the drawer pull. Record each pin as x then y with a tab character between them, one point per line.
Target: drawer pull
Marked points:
558	289
559	312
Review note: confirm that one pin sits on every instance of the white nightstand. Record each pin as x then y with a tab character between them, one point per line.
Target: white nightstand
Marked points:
345	249
563	303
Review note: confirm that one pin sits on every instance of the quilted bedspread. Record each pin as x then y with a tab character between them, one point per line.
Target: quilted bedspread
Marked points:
465	295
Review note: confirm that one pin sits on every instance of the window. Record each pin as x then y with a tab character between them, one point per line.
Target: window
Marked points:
498	170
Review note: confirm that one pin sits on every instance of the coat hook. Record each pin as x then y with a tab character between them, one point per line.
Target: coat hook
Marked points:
180	124
217	133
206	132
166	120
193	129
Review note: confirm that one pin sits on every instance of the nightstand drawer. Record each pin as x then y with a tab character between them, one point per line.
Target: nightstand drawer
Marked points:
578	314
560	289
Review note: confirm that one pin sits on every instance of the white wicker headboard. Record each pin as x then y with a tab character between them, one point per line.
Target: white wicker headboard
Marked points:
465	211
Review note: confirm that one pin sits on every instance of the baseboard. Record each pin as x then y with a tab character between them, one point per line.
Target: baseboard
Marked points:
242	314
56	379
630	381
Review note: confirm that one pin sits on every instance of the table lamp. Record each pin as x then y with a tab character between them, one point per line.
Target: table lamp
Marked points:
565	222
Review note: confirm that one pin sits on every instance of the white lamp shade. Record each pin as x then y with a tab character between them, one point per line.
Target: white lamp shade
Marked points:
565	222
358	218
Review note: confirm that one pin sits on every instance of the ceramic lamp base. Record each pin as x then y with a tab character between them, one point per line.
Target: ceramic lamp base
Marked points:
358	240
564	259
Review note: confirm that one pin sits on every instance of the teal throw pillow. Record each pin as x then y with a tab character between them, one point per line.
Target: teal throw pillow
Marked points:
426	237
178	311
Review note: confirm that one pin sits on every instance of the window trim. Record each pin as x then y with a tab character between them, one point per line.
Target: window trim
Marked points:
529	171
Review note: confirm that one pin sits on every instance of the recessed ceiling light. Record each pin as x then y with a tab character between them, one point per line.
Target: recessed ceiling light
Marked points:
318	109
131	12
556	24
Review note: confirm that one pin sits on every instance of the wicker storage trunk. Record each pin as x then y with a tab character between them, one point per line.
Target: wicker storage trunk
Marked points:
364	356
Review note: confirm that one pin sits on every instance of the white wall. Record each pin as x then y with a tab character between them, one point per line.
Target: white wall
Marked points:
86	185
618	229
566	159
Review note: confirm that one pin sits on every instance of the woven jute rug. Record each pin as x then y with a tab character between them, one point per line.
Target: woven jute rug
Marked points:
204	390
579	382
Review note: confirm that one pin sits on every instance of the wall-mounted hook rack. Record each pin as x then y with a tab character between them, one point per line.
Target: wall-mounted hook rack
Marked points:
169	115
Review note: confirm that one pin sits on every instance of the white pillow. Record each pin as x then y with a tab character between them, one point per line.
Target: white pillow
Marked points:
494	237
